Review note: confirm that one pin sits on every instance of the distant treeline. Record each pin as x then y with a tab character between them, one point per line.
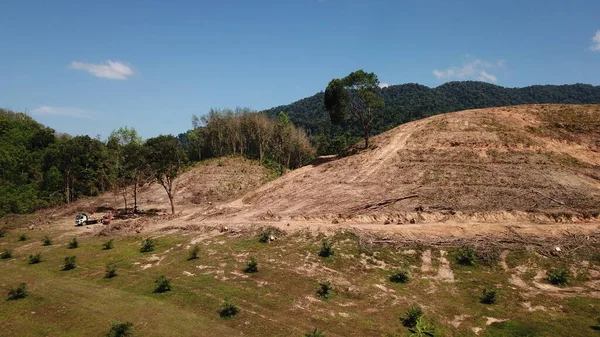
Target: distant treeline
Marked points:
40	168
408	102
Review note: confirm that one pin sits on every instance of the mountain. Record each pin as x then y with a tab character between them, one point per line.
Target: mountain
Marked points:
408	102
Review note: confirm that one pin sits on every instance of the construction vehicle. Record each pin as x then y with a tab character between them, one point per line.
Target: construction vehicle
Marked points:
85	219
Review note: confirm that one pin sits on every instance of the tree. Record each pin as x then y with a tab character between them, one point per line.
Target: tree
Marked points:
136	165
165	158
359	93
123	143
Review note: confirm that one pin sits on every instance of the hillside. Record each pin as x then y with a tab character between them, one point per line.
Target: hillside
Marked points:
524	161
408	102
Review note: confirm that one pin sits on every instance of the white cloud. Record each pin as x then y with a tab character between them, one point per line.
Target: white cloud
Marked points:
110	69
45	110
384	85
472	68
596	42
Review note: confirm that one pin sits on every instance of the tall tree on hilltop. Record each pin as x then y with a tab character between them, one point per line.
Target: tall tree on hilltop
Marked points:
358	93
165	158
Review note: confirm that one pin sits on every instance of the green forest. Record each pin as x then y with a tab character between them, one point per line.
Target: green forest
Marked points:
408	102
40	167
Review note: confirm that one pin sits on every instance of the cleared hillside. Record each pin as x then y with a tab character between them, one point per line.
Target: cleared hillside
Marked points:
530	161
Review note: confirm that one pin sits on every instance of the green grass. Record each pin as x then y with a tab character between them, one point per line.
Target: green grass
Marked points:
280	300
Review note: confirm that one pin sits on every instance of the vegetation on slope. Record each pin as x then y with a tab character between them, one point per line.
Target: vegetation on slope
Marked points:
39	168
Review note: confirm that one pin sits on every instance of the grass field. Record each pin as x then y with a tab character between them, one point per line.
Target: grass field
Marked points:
281	298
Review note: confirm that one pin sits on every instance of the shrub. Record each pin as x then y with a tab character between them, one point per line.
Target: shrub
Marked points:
18	292
324	290
422	329
264	237
412	316
194	253
147	245
119	329
69	263
163	285
7	254
558	276
46	241
228	310
252	266
314	333
111	271
22	237
466	256
326	249
73	244
108	245
401	276
37	258
488	296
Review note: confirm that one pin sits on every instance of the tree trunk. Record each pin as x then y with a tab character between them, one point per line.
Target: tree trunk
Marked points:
172	204
366	138
124	194
135	187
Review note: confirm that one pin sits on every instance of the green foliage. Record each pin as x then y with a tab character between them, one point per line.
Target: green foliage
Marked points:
326	249
358	93
166	158
111	271
108	245
400	276
22	237
46	241
466	255
73	244
558	276
36	258
422	329
413	314
275	141
7	254
252	266
324	290
228	310
163	284
194	253
314	333
120	329
69	263
264	237
488	296
147	245
15	293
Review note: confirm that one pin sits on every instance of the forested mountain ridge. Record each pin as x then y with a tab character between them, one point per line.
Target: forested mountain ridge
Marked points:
411	101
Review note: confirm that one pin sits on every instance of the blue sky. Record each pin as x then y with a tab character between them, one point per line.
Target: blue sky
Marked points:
84	67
